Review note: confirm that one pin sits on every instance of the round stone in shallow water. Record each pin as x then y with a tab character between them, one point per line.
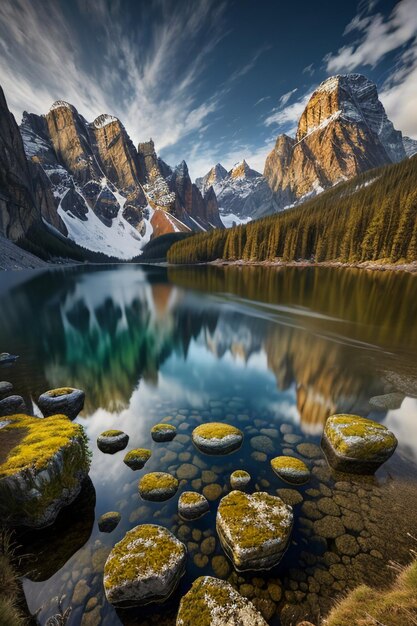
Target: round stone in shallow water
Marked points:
192	505
145	566
217	438
158	486
65	400
214	601
290	469
136	459
111	441
239	479
163	432
108	521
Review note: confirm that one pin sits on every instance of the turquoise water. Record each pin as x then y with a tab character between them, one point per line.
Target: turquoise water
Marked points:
274	352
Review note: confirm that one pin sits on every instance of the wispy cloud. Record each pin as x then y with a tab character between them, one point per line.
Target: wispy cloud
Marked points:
148	73
377	37
288	116
309	69
264	99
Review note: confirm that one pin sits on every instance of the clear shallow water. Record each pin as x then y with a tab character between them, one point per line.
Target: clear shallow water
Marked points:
271	351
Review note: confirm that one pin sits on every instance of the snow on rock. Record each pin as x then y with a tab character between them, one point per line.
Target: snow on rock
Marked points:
104	119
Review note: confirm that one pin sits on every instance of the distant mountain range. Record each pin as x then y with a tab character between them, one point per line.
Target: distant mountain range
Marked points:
342	132
87	185
87	182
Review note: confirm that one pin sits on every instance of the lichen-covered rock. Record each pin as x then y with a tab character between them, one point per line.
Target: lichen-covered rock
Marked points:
217	438
254	529
214	602
43	464
239	479
158	486
145	566
65	400
6	389
356	445
12	405
290	469
136	459
163	432
108	521
111	441
192	505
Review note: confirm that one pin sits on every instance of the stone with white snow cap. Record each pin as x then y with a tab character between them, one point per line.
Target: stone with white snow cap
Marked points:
144	567
217	438
356	445
254	529
214	602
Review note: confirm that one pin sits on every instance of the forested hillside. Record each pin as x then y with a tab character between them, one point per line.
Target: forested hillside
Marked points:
372	217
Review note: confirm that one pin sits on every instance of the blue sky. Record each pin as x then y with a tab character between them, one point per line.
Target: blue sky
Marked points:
208	80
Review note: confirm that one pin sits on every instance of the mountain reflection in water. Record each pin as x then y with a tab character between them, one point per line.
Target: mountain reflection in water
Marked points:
261	348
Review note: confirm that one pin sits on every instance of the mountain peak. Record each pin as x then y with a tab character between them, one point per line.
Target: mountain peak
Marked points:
104	119
242	170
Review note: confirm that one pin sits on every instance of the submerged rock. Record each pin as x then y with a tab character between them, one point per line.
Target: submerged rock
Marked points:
387	402
65	400
217	438
163	432
158	486
44	463
356	445
6	389
290	469
192	505
239	479
108	521
215	602
136	459
145	566
12	405
6	357
111	441
254	529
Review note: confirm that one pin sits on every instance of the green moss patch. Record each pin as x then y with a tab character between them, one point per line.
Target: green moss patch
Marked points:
112	433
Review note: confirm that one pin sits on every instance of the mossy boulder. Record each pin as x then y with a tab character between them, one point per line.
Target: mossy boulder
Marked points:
112	441
43	463
145	566
239	479
65	400
217	438
6	388
163	432
290	469
356	445
158	486
212	601
109	521
192	505
136	459
12	405
254	529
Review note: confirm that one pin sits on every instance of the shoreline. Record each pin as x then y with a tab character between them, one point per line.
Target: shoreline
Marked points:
410	268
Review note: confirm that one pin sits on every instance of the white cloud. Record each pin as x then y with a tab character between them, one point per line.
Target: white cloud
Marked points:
286	97
288	115
309	69
378	37
152	88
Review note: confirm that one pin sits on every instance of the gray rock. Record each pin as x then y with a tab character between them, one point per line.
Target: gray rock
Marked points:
65	400
6	389
12	405
108	521
111	441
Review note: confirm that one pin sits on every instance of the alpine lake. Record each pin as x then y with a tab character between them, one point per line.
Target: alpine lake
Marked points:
273	351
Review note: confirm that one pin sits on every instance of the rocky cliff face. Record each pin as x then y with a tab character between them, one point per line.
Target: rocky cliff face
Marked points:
342	132
410	146
111	197
25	192
242	193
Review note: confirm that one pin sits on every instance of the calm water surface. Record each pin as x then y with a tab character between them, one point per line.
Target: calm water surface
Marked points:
274	352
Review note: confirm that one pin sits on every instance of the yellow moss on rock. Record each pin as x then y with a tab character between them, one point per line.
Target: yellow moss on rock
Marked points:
40	440
352	435
112	433
60	391
216	430
142	454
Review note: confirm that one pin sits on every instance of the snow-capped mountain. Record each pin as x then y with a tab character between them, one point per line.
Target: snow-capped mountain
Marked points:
242	193
342	132
88	182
